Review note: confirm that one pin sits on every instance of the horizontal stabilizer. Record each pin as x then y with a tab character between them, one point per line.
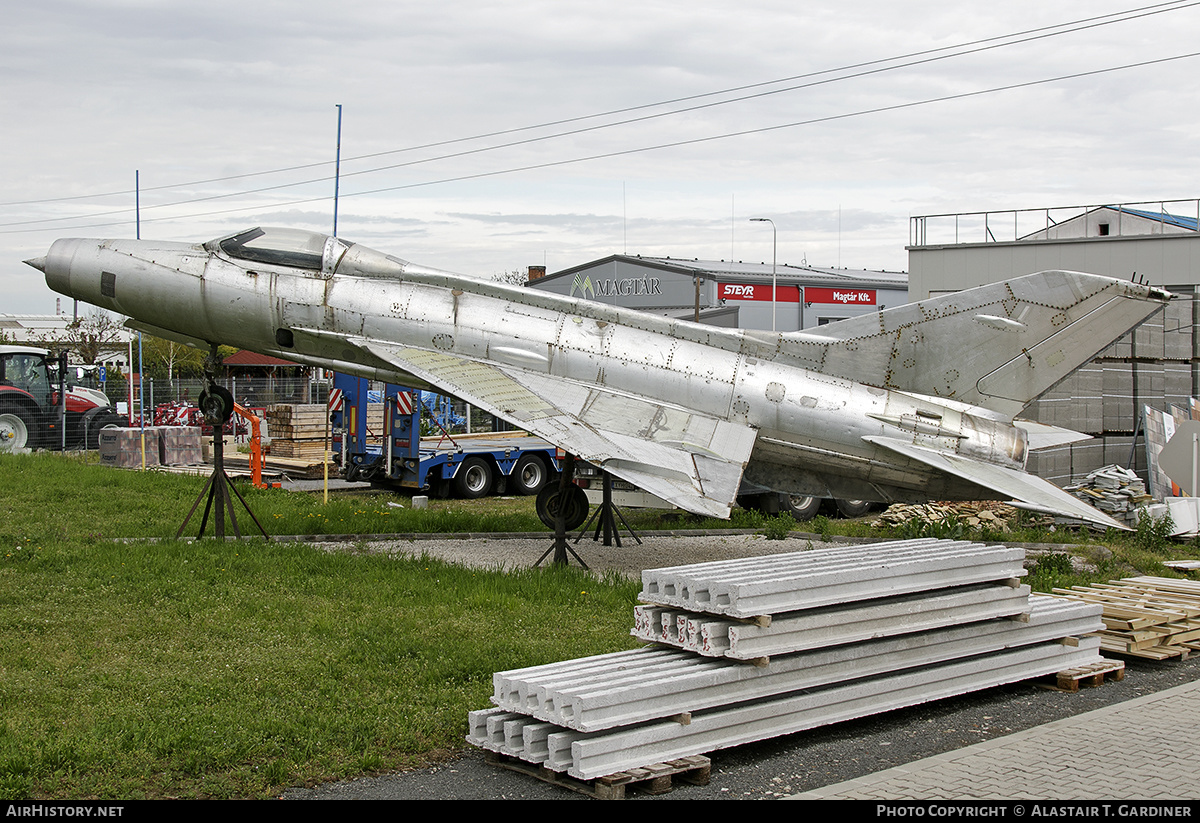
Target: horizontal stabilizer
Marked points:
1042	436
1027	490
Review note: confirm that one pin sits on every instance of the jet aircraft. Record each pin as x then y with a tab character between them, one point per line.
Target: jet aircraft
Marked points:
912	403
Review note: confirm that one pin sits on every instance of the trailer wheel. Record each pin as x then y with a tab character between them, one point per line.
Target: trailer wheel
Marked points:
474	478
800	508
529	475
15	426
852	508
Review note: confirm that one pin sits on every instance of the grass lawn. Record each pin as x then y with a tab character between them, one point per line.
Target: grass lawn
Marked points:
133	668
175	669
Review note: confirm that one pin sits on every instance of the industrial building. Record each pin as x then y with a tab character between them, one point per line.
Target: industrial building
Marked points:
1155	365
740	295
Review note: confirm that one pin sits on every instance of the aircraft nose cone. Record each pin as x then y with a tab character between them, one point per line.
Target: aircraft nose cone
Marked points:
38	263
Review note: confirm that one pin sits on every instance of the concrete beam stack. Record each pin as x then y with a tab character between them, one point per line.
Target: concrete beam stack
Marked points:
848	632
806	580
830	626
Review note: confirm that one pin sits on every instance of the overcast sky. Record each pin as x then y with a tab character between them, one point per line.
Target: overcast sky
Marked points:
209	102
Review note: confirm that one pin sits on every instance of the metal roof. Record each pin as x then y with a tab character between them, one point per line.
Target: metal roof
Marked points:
1189	223
716	269
248	358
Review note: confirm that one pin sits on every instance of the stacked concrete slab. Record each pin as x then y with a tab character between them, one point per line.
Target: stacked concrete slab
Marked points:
836	634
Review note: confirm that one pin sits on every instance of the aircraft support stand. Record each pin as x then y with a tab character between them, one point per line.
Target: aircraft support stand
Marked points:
606	521
560	512
216	403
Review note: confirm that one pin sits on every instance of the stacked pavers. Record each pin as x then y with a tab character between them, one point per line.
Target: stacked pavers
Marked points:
836	633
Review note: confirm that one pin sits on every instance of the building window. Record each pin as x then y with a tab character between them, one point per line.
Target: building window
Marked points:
1103	230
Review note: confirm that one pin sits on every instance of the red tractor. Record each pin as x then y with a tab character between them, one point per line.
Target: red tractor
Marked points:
34	400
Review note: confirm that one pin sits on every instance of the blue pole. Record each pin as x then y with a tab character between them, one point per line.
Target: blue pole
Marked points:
337	169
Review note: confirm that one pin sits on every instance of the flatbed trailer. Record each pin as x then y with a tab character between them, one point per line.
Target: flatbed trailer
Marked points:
387	450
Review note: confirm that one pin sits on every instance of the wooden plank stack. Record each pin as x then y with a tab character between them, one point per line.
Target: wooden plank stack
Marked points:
1151	617
297	431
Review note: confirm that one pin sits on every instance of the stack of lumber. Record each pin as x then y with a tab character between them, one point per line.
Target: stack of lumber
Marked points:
1151	617
1115	491
857	630
297	431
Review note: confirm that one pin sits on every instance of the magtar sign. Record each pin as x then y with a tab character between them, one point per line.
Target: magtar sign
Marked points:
584	286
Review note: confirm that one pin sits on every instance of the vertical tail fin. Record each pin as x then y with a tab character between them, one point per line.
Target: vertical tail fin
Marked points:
998	346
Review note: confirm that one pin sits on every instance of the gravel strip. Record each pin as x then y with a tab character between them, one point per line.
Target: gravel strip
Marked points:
656	551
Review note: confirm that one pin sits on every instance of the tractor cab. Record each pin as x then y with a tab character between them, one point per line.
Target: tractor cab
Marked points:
27	371
32	411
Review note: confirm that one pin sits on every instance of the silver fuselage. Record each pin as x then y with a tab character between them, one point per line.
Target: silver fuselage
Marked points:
810	426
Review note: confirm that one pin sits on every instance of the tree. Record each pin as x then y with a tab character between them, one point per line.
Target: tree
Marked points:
516	277
91	336
173	358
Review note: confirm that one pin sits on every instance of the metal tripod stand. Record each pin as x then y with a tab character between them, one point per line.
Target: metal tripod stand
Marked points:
216	404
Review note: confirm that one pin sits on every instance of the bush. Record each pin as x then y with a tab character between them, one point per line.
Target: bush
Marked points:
1153	533
778	527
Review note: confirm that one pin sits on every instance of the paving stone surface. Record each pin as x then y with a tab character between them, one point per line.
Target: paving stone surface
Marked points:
1141	749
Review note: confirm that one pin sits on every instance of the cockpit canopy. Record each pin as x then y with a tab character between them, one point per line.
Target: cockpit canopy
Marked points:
311	251
295	248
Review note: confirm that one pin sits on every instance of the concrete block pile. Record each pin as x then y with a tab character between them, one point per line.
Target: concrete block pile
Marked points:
1115	491
164	446
123	447
835	634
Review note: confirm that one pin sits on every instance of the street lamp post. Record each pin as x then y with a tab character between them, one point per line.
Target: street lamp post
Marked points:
774	257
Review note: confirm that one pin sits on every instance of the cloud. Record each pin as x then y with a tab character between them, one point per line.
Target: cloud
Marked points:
99	90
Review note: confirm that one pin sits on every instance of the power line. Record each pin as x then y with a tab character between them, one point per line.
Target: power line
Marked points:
861	69
672	144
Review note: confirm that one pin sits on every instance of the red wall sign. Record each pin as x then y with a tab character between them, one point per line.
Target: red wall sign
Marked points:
847	297
791	294
757	291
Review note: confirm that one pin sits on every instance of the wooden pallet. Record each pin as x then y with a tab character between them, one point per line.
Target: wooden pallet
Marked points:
658	778
1092	675
299	449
